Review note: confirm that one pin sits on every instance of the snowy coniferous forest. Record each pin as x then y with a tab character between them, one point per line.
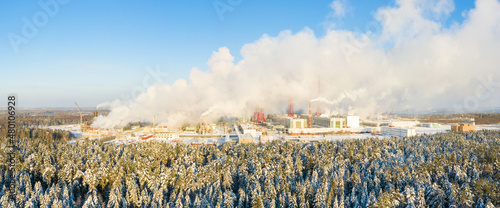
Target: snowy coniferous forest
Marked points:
440	170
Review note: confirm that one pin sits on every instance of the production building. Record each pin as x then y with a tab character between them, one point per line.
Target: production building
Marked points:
249	130
288	122
244	138
166	135
431	125
329	122
404	123
375	123
352	121
398	131
463	127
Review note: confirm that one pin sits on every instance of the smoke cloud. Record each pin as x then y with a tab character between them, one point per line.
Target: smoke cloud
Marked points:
406	59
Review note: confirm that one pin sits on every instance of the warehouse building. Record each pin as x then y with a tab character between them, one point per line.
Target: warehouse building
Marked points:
244	138
352	121
288	122
329	122
404	123
463	127
167	135
431	125
398	131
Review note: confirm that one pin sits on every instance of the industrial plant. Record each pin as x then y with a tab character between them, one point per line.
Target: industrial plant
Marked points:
262	127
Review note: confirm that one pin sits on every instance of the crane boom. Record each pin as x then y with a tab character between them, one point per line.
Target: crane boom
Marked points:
77	107
81	119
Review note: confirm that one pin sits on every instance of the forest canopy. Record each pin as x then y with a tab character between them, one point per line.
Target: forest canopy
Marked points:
440	170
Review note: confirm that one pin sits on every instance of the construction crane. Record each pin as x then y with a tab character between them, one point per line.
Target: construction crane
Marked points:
81	115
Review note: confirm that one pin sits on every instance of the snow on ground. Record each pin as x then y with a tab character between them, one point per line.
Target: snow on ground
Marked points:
127	139
71	127
425	130
447	127
353	136
488	127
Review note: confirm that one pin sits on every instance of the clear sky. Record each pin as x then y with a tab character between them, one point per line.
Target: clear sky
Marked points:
98	51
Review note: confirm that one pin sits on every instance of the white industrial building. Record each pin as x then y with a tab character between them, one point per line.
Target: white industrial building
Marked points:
398	131
431	125
404	123
287	122
329	122
167	135
376	123
352	121
249	130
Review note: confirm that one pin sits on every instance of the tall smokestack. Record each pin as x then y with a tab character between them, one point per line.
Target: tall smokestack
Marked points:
318	110
290	108
309	122
201	124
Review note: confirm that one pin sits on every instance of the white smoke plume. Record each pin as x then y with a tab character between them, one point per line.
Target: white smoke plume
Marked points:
210	110
408	60
346	94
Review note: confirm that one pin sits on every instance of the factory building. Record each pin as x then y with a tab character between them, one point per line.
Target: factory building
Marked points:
249	130
317	131
288	122
376	123
297	123
334	122
404	123
167	135
352	121
266	138
244	138
398	131
463	127
431	125
329	122
99	131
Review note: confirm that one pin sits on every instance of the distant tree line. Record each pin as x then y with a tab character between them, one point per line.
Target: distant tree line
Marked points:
480	118
28	126
30	132
440	170
46	120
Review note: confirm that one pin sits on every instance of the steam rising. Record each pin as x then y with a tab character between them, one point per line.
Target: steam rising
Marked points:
347	94
408	60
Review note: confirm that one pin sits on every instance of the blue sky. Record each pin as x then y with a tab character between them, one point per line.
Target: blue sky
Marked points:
98	51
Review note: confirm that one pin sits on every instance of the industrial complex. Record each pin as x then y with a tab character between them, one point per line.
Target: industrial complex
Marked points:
262	127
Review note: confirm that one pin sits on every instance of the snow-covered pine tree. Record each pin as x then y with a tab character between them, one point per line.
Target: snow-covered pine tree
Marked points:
187	201
114	198
228	200
132	195
45	200
197	202
241	198
92	201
